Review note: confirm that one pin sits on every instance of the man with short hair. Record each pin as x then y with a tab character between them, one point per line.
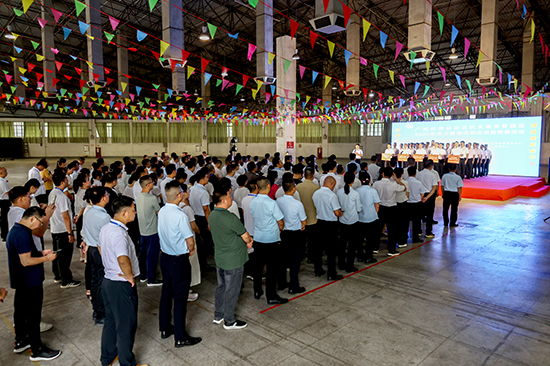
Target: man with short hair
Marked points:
232	243
61	227
431	183
415	207
170	175
306	190
373	169
147	209
451	185
332	168
34	172
26	277
358	152
177	244
199	200
4	203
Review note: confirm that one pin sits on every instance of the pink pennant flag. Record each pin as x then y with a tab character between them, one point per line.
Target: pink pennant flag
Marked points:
114	22
442	94
363	61
224	83
444	74
398	48
8	78
466	47
302	70
402	80
54	50
56	15
251	49
42	22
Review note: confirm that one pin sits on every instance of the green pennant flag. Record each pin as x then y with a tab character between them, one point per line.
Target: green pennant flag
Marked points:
35	44
239	87
212	29
13	89
70	95
85	90
218	82
152	4
469	85
254	3
109	36
413	56
18	12
157	86
79	7
147	100
375	67
426	88
298	96
287	65
441	22
165	97
141	104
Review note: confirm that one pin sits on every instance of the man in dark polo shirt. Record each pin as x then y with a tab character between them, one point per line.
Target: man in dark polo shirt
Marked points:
231	243
26	277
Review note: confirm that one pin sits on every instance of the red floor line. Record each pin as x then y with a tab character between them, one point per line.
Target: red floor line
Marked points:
354	273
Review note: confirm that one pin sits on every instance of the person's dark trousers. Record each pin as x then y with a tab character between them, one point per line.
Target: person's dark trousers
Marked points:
98	273
450	199
371	232
4	208
293	243
267	255
469	168
176	275
445	167
415	213
328	236
429	209
461	168
42	198
206	246
27	315
402	222
149	249
61	266
79	231
88	273
227	293
314	247
119	330
486	167
441	168
350	238
388	215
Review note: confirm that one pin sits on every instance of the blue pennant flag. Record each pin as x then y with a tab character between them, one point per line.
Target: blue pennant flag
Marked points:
119	92
66	32
207	77
454	33
233	109
509	81
347	55
273	88
234	36
83	26
99	94
315	73
138	89
459	81
141	35
169	92
416	86
18	49
383	39
73	57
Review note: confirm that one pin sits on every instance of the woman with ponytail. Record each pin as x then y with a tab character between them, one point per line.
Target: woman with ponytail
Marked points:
368	219
350	235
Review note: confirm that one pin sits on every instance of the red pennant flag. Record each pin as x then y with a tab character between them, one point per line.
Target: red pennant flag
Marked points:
293	28
96	77
204	63
30	66
312	37
128	76
484	89
107	71
173	64
342	84
58	64
245	79
546	55
325	4
37	93
442	94
79	71
82	83
184	55
347	13
109	81
156	54
54	81
39	76
68	77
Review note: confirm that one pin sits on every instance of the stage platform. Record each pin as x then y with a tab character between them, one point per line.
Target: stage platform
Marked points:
502	188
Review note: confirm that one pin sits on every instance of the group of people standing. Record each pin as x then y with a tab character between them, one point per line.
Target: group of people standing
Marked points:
178	212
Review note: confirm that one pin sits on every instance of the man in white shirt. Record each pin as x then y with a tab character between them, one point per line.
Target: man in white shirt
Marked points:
4	203
358	153
471	155
415	204
231	176
387	191
401	198
488	157
34	172
170	175
373	169
332	167
199	200
431	182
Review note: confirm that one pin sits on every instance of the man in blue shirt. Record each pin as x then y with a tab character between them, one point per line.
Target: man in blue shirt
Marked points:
199	200
92	223
451	184
328	211
177	243
293	238
268	223
26	277
368	217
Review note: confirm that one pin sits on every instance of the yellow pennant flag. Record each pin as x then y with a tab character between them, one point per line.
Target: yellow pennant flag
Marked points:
26	4
260	83
45	94
123	84
25	83
330	47
254	92
90	65
270	57
91	37
392	76
15	35
22	70
96	87
427	67
163	47
190	71
366	27
479	58
327	80
127	100
39	57
532	30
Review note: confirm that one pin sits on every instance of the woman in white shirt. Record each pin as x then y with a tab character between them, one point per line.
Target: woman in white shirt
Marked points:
350	232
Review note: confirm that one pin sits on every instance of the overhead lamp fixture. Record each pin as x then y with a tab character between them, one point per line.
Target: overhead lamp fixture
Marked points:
447	84
9	35
371	95
242	99
204	36
334	87
296	57
224	72
453	55
195	93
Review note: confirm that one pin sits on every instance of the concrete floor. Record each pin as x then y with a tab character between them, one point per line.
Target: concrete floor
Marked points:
476	295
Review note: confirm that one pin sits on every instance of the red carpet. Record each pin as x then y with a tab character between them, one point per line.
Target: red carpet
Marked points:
502	188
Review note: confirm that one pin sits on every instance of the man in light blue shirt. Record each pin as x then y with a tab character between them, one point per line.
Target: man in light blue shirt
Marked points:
415	204
199	200
292	237
368	217
268	223
176	245
92	223
451	184
328	211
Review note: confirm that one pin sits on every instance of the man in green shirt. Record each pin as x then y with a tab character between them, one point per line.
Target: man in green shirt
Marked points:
231	243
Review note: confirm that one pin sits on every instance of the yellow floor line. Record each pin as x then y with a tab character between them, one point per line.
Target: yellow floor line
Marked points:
28	352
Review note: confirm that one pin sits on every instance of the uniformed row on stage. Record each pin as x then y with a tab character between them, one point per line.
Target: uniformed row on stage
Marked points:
472	159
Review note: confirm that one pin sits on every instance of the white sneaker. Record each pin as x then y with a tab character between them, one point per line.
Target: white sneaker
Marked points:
375	252
402	245
218	321
44	327
392	254
238	324
193	296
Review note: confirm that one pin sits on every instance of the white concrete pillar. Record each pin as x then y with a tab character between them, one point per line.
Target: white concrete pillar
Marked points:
489	33
286	126
95	47
420	25
264	38
327	97
122	66
172	33
353	44
48	42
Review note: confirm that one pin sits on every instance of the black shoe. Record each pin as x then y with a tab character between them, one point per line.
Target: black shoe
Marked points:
277	300
258	295
351	269
335	277
167	333
99	322
282	287
454	225
237	324
189	341
360	260
44	354
298	290
21	346
342	267
417	240
372	260
320	273
445	224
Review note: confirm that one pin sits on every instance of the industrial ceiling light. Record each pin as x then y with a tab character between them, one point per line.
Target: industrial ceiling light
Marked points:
204	36
9	35
296	57
334	87
242	99
195	93
453	55
224	72
447	84
371	95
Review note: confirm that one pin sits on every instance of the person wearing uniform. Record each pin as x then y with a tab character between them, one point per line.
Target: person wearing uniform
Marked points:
368	219
268	222
415	204
292	237
488	157
149	247
471	155
328	211
373	169
4	203
306	189
350	229
402	221
358	153
34	173
430	180
177	244
199	200
451	184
